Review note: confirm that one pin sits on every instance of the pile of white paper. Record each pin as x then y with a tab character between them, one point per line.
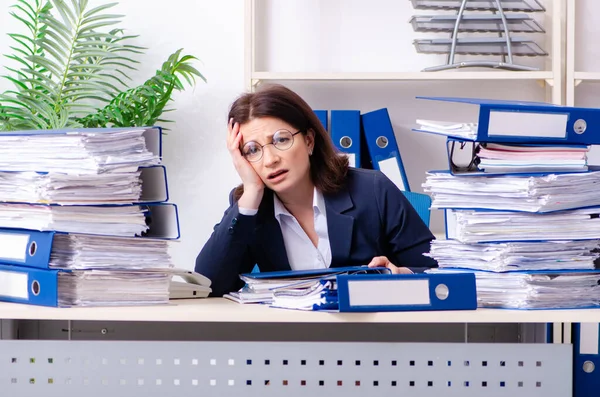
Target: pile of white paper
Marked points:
545	193
80	251
509	256
55	188
126	220
499	226
539	290
112	288
76	152
458	130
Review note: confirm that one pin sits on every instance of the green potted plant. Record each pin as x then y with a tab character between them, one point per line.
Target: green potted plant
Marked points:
71	66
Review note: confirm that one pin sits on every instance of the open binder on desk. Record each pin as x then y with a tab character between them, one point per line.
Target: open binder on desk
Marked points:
520	122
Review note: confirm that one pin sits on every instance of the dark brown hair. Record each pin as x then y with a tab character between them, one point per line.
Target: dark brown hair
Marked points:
327	168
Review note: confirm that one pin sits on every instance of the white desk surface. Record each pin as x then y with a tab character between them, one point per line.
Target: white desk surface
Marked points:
222	310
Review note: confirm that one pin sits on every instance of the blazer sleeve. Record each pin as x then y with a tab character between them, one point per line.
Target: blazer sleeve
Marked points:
226	254
406	235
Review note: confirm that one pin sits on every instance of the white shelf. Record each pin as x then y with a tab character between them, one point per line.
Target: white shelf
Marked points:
404	76
587	76
225	311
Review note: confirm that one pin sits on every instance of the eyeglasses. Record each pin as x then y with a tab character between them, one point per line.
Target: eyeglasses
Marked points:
282	140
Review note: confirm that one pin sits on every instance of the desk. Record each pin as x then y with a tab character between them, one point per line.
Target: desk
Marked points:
223	310
265	368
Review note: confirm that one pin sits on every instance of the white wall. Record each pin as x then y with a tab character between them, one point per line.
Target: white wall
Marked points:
297	35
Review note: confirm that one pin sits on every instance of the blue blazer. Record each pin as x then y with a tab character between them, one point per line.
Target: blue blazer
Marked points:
369	217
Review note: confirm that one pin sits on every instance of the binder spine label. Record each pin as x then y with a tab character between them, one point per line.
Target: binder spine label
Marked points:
13	246
389	292
14	285
527	124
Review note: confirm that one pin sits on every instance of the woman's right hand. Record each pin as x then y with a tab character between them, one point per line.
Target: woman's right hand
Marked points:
253	185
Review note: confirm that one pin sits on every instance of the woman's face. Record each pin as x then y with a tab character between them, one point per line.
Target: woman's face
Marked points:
280	170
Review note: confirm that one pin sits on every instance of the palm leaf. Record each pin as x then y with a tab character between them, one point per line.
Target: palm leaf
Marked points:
61	57
143	105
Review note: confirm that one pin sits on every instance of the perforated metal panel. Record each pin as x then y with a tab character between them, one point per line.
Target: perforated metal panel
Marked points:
100	369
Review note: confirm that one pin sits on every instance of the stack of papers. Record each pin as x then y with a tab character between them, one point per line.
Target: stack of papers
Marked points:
498	226
539	290
112	288
511	256
459	130
76	152
79	251
497	158
301	289
541	193
54	188
126	220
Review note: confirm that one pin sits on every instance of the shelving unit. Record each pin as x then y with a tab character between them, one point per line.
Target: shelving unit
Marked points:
551	78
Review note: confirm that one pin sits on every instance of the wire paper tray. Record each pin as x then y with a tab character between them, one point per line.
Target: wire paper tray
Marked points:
479	46
519	23
480	5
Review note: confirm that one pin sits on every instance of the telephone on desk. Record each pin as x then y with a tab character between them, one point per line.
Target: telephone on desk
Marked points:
194	285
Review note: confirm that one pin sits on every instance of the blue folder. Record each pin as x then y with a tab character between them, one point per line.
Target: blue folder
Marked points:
530	122
586	359
383	148
28	285
322	116
314	273
406	292
345	134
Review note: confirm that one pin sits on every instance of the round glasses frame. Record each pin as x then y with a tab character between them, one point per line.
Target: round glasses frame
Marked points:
277	142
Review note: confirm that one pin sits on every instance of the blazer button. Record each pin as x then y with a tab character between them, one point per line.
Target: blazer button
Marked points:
230	229
234	221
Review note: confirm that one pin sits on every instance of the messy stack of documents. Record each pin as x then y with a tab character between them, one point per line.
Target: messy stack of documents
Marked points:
358	289
300	290
530	193
84	218
86	151
535	289
497	158
521	204
81	251
112	288
516	255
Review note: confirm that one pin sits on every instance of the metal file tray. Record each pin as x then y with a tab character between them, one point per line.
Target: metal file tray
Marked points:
479	46
519	23
479	5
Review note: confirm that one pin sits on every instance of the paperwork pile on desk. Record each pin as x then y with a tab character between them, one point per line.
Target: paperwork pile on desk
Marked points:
358	289
84	218
522	206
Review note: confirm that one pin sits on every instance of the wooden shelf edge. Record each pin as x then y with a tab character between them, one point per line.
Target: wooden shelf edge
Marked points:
587	76
404	76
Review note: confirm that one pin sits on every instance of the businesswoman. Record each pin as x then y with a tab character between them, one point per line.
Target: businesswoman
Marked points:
299	205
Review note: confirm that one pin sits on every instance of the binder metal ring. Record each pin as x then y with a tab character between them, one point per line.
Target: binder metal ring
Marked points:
35	287
32	248
442	291
382	142
346	142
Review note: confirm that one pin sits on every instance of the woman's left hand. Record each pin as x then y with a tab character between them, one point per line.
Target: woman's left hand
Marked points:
382	261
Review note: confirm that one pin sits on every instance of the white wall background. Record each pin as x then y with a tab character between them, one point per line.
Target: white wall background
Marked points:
300	35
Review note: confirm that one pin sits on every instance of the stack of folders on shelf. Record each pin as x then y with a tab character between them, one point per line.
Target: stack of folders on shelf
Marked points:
84	218
521	204
368	140
358	289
